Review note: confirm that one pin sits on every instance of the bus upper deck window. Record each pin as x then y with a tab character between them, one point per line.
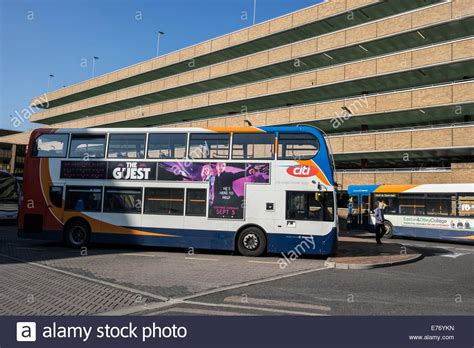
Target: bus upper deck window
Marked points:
253	146
167	145
126	146
209	145
297	146
84	145
51	145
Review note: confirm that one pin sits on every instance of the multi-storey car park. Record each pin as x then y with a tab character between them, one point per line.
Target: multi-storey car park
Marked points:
390	82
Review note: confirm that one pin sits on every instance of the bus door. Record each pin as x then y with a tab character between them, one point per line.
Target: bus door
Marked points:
364	210
360	210
55	203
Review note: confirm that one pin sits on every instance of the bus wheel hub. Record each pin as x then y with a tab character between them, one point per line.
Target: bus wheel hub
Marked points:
78	235
251	241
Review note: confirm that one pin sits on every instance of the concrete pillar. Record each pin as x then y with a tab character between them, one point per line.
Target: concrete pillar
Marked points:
13	159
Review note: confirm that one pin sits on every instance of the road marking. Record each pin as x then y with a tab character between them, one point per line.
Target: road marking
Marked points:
437	246
196	311
453	255
263	309
26	248
146	255
276	303
200	259
270	262
148	307
102	282
254	282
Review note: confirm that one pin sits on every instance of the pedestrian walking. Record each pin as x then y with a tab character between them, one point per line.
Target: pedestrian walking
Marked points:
349	214
379	222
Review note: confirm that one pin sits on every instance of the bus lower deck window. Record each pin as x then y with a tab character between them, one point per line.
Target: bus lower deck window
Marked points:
196	202
123	200
314	206
164	201
80	198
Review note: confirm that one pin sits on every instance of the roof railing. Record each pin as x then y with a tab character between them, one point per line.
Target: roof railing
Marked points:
412	169
413	128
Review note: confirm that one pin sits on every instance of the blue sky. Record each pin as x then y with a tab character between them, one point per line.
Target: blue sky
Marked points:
42	37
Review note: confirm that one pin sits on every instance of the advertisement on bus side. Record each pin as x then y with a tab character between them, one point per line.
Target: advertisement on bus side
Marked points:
226	182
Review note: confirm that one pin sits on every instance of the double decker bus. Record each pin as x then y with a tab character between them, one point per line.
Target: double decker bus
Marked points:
252	189
430	211
9	196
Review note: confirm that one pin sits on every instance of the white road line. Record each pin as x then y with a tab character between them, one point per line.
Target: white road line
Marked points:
145	255
275	303
197	311
152	306
117	286
200	259
26	248
269	262
263	309
453	255
253	282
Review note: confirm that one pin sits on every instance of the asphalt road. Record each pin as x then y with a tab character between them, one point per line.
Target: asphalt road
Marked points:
39	278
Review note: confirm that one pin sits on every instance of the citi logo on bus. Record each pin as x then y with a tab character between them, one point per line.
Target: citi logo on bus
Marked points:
302	171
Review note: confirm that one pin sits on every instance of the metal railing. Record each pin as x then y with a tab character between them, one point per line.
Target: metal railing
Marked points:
414	169
413	128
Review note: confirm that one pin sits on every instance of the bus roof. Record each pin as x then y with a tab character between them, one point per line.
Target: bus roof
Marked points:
425	188
250	129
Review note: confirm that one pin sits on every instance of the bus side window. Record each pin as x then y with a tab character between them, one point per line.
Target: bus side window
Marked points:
253	146
164	201
83	198
465	205
86	145
164	145
126	146
196	202
297	146
51	145
56	195
314	206
123	200
209	145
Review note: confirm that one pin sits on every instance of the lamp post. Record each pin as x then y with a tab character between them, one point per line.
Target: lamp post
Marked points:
158	43
50	77
93	65
254	10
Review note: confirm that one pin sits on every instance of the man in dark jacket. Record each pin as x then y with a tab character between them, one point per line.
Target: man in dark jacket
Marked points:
379	220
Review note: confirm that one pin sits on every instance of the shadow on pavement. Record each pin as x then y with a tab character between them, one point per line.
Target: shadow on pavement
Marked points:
36	250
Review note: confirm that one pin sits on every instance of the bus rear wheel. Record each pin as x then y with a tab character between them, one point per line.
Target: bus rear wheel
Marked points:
252	242
388	229
77	234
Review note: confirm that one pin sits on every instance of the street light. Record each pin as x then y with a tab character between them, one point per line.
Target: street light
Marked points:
158	43
254	10
93	65
49	82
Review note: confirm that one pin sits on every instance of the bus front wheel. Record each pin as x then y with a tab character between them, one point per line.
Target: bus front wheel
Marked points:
388	229
77	234
252	242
